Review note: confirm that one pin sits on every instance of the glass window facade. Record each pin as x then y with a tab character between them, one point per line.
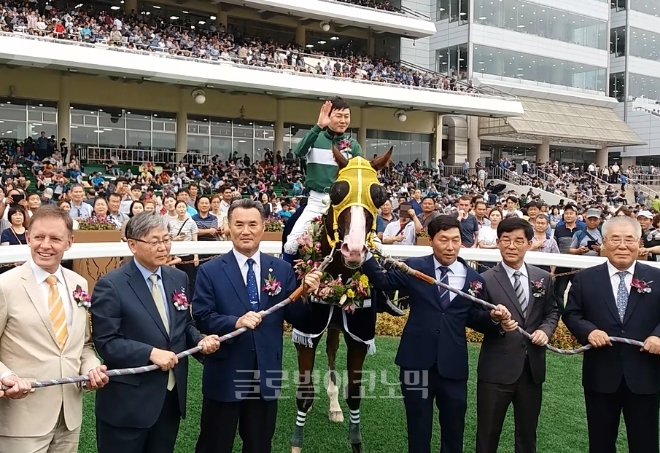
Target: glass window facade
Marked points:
407	147
507	63
539	20
617	86
452	61
21	119
453	10
640	85
117	128
618	41
651	7
644	44
618	5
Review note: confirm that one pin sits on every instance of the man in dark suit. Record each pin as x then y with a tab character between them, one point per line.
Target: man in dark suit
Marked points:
433	355
619	298
242	381
512	368
140	317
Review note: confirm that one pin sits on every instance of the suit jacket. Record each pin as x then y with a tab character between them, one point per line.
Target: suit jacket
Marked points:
220	299
433	336
591	305
28	349
502	356
126	328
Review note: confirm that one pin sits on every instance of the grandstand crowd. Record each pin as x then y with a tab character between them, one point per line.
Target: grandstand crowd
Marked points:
95	25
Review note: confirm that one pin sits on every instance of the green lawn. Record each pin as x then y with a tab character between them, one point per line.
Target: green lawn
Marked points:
562	425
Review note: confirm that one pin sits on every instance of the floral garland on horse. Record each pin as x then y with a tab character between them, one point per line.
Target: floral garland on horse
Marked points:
349	294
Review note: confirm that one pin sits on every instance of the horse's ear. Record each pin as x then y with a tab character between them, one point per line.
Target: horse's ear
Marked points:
339	158
381	162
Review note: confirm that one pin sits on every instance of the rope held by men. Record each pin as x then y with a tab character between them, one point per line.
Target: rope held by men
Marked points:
400	265
188	352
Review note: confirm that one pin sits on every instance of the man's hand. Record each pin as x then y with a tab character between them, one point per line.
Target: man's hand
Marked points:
18	388
539	338
501	313
209	344
598	339
166	360
250	320
313	280
509	325
583	249
324	115
652	345
97	378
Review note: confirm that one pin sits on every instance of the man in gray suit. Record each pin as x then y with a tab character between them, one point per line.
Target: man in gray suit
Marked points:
511	368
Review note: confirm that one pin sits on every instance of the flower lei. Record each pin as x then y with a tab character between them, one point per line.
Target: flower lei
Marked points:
335	291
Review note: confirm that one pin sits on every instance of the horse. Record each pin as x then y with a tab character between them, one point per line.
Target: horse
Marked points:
348	228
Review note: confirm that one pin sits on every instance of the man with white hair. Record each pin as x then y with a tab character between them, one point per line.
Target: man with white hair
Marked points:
619	377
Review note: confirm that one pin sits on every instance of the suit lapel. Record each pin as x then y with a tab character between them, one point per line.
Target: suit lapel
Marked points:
139	285
505	283
640	274
266	266
235	277
170	288
430	270
36	297
76	311
610	301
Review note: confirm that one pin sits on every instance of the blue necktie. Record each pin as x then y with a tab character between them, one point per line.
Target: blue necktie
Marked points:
252	288
444	293
622	295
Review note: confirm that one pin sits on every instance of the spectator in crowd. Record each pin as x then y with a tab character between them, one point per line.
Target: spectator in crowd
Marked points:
184	229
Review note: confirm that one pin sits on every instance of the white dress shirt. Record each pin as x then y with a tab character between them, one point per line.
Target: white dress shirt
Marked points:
456	276
614	279
524	278
409	235
40	276
244	267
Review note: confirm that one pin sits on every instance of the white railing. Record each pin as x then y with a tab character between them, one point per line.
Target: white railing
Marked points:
94	154
20	253
234	61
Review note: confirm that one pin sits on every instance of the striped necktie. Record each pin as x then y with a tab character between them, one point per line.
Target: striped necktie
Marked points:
445	296
520	294
56	312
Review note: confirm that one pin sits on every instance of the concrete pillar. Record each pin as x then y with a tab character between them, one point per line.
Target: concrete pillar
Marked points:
543	152
371	44
130	6
63	111
279	128
222	18
457	142
602	157
436	146
362	132
300	35
474	142
182	125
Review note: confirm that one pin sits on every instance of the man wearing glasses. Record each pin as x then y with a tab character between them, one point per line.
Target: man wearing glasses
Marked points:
141	316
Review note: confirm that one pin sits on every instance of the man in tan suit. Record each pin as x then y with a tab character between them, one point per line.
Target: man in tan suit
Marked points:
44	334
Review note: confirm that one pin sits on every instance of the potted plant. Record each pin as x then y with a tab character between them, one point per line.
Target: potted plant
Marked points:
273	229
96	230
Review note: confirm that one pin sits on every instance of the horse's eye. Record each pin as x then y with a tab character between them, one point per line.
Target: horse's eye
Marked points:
338	192
378	195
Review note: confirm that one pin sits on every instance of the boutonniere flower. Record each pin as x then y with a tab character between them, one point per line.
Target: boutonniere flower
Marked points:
641	285
181	300
538	290
344	145
272	286
81	297
475	287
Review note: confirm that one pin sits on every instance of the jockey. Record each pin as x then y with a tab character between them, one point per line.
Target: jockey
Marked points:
316	147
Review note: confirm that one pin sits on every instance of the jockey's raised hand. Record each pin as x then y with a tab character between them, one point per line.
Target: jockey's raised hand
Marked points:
324	115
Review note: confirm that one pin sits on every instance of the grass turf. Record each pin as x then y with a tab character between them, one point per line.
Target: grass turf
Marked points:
562	426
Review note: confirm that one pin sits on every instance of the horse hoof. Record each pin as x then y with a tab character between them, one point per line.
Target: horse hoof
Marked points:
296	449
336	416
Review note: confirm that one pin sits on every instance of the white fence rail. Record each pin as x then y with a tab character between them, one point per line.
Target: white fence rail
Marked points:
20	253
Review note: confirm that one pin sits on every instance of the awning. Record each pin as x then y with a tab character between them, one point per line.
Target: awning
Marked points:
562	122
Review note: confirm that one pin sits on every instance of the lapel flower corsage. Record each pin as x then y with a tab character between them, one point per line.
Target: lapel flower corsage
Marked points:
641	285
81	297
344	145
181	300
271	286
475	288
537	288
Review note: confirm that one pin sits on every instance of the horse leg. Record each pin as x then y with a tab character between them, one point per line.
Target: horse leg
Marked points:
332	346
356	353
305	391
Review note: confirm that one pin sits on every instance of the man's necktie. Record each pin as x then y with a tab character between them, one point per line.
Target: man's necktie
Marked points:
160	306
520	293
445	298
622	295
56	312
252	288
